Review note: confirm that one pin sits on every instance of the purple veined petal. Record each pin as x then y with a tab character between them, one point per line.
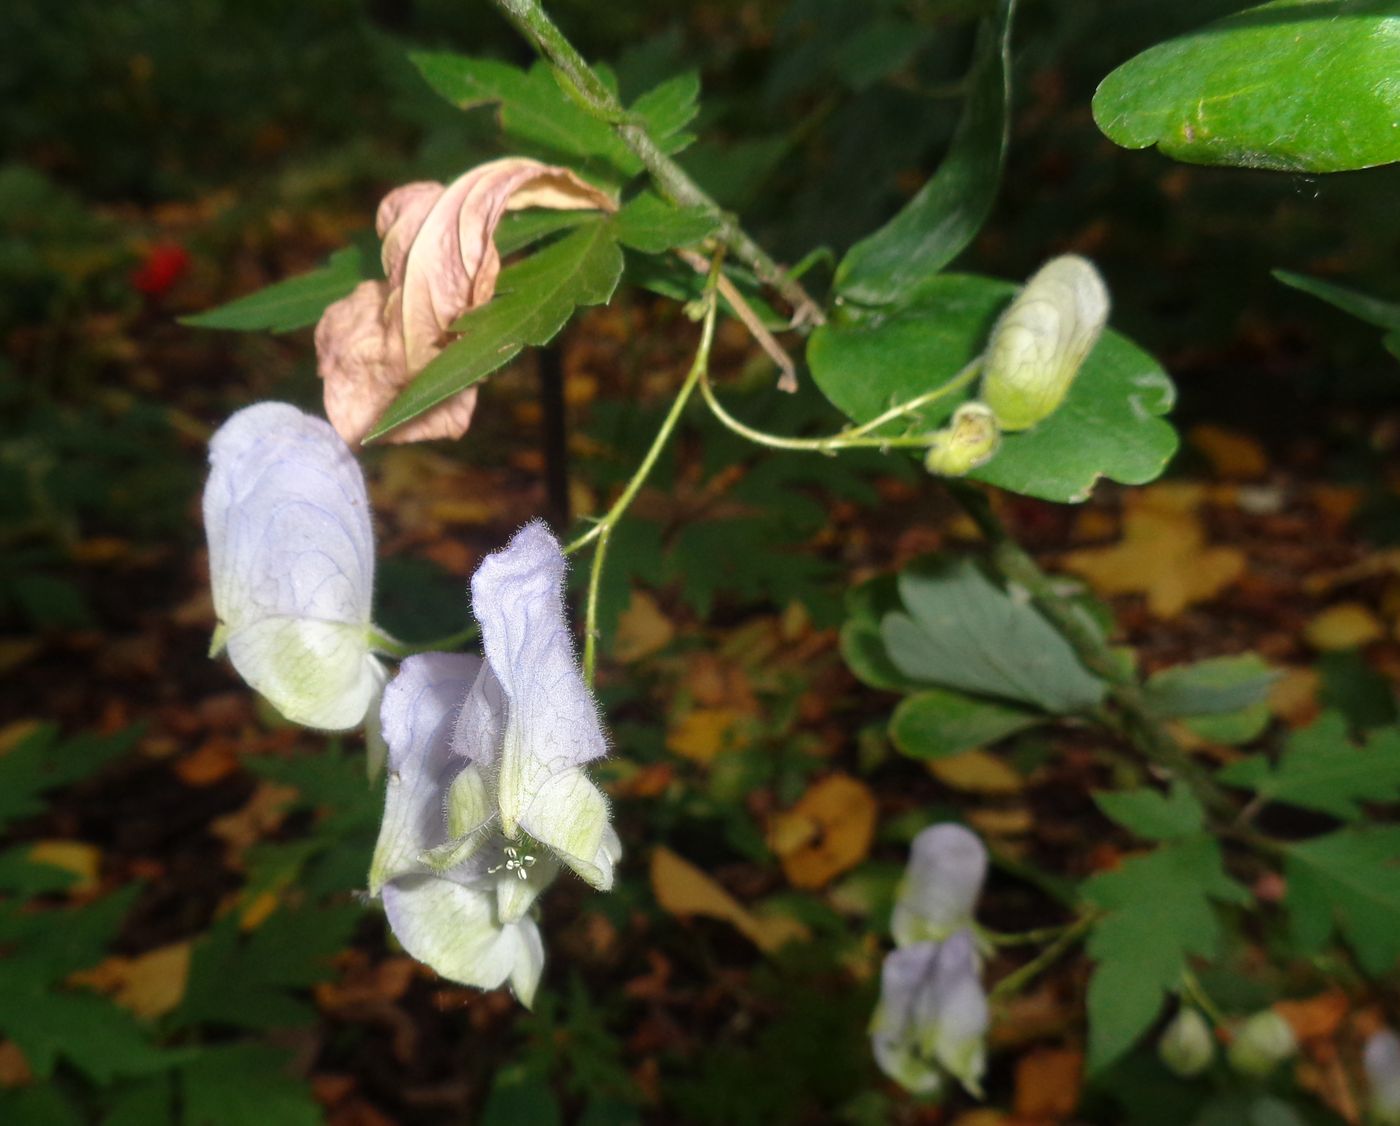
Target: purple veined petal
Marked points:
552	724
417	718
947	867
291	561
904	1007
1381	1059
454	929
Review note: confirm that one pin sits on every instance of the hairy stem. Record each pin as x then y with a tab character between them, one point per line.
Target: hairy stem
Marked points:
1017	980
1142	726
382	642
531	20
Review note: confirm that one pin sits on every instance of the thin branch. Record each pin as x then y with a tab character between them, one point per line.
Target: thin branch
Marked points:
590	91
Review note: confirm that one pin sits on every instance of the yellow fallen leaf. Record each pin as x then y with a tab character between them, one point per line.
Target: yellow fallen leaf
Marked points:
78	857
1163	555
149	985
1233	456
828	831
978	772
642	629
1293	696
1343	626
702	734
684	890
1001	822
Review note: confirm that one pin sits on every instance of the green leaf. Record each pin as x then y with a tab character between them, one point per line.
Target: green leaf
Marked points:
931	229
1152	814
248	980
44	947
1321	769
534	299
520	229
1348	881
533	108
1212	686
1231	728
668	108
26	878
142	1102
1382	314
861	645
521	1096
295	302
40	762
40	1106
90	1032
652	225
1159	912
936	723
1108	425
963	631
1295	85
246	1085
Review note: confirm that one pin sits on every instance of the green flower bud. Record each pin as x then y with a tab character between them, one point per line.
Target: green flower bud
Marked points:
1187	1047
1263	1042
1040	341
970	439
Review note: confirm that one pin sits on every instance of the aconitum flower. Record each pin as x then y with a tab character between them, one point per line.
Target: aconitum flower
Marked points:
440	261
947	867
932	1018
1261	1043
487	796
1382	1063
291	563
1042	339
468	920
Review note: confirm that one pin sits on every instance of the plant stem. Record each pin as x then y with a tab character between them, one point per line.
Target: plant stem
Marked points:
382	642
1017	980
1143	727
854	437
593	94
602	530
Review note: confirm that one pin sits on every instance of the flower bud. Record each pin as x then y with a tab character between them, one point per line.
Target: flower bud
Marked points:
1040	341
947	866
1263	1042
1187	1047
1382	1062
971	439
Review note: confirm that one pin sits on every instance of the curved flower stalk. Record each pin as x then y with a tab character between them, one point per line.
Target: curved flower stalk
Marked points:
291	563
932	1018
440	261
486	796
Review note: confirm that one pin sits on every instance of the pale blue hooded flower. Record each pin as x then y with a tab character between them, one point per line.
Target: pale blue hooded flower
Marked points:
947	868
486	792
468	920
932	1018
1382	1062
291	563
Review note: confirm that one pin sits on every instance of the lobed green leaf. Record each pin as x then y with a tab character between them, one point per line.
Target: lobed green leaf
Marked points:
295	302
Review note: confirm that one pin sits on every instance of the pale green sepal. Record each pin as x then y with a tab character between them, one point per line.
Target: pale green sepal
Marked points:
514	896
219	640
570	815
451	853
970	440
315	673
469	804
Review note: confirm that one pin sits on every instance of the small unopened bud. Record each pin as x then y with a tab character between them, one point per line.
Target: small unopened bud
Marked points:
947	867
1041	340
1382	1063
1263	1042
1187	1046
971	439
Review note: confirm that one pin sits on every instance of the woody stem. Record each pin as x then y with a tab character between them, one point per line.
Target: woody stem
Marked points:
531	20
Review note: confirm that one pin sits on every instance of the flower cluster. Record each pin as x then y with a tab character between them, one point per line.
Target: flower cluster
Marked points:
931	1021
440	261
486	797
